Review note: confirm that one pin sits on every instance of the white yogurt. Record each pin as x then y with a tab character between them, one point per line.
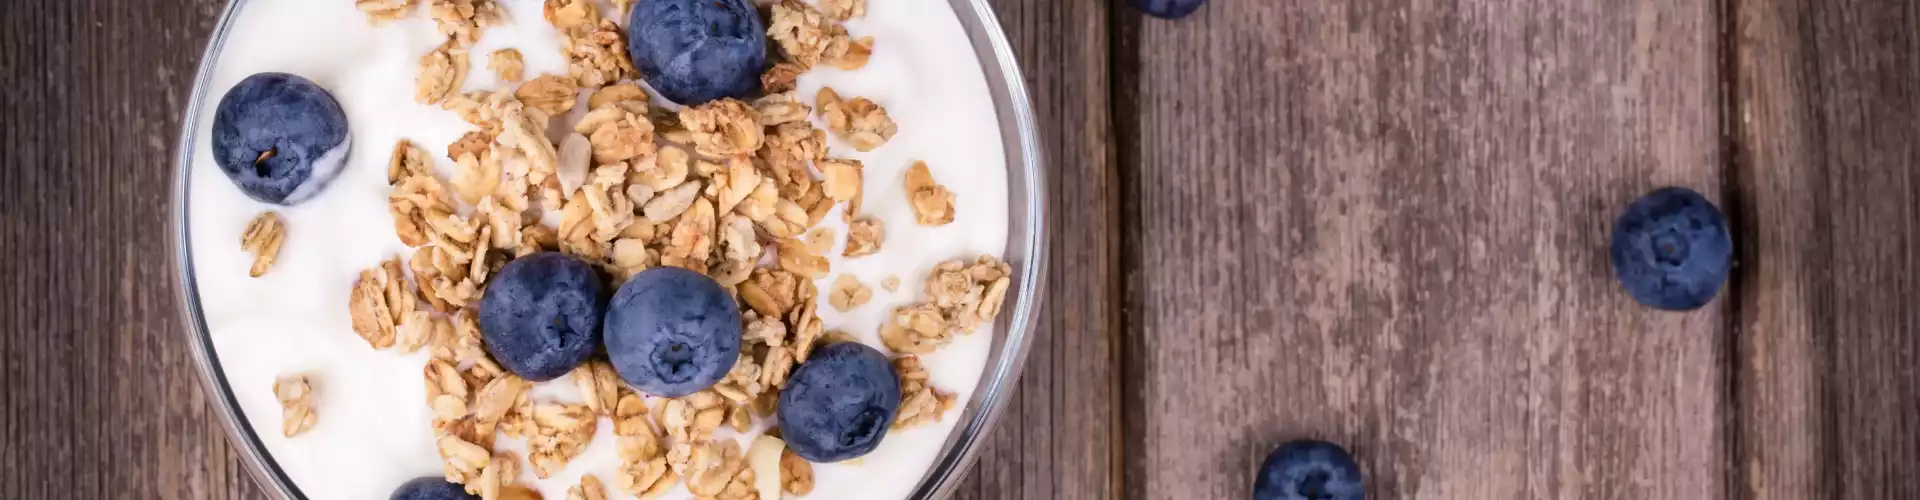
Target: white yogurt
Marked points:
373	431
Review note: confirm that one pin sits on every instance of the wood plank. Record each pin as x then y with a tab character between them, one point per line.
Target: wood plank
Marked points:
1385	224
1827	112
1057	440
102	401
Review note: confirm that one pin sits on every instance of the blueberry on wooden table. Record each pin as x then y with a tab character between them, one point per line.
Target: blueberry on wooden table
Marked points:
1671	249
540	315
431	488
1168	9
279	137
695	51
1309	470
839	404
672	332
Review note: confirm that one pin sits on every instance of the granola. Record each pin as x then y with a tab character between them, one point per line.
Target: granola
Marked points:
932	202
808	37
441	73
781	77
723	127
588	489
548	93
380	300
380	12
508	64
462	21
860	121
863	238
563	432
920	403
262	238
844	9
296	404
849	293
598	56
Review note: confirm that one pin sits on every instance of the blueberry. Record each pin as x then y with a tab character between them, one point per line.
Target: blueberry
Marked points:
1309	470
540	315
280	137
672	332
431	488
694	51
839	403
1671	249
1168	9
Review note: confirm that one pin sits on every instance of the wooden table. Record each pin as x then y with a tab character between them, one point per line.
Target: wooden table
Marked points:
1379	222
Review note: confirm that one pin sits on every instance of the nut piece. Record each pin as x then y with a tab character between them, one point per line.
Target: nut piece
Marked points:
296	404
380	12
763	458
551	94
441	73
262	238
849	293
725	127
932	202
860	121
588	489
508	64
863	237
920	403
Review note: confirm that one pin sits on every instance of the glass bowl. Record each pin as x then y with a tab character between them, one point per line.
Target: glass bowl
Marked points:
1025	252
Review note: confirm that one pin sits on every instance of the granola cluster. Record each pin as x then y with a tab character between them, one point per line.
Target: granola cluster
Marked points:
262	238
732	189
296	404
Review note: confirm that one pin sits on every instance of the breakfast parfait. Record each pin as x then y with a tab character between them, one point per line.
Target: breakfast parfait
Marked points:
582	249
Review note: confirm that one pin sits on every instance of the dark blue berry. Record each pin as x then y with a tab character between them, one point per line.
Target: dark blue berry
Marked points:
431	488
1671	249
1309	470
694	51
1168	9
672	332
280	137
839	404
540	315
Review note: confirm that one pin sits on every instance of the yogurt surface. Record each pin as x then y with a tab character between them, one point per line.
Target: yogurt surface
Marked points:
373	431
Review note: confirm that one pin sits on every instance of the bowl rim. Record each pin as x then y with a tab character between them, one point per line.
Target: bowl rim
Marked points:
1025	252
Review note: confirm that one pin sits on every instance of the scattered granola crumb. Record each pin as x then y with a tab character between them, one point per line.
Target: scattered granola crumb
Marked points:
850	53
381	12
863	237
932	202
508	64
849	293
296	404
724	127
890	283
860	121
920	403
262	238
441	74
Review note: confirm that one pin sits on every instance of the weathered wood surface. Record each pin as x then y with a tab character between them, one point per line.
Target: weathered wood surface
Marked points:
1828	137
1385	224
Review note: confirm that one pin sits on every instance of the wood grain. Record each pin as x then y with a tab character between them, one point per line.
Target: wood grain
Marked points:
101	399
1384	224
1827	118
1057	440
